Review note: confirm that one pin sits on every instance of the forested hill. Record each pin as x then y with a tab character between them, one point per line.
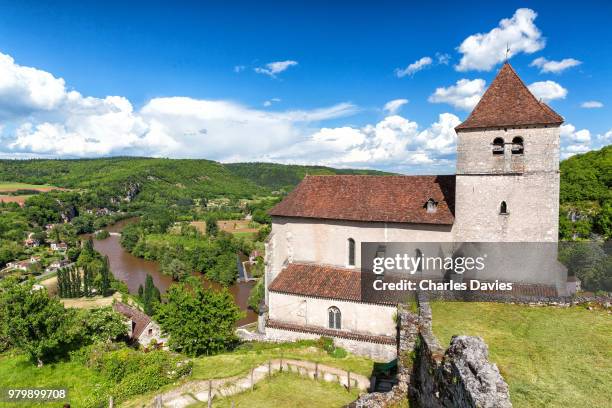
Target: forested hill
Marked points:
586	194
284	177
146	177
151	178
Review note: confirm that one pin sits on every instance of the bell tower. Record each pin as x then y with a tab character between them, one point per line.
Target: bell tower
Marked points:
507	182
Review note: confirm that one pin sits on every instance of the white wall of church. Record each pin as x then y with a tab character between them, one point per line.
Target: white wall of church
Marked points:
356	317
326	241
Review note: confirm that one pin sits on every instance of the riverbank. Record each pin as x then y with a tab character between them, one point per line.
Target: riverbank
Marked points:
133	271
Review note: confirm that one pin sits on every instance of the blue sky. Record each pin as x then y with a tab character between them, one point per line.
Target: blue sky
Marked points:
192	79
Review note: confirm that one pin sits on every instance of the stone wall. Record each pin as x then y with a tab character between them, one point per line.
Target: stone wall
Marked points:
375	351
459	377
408	335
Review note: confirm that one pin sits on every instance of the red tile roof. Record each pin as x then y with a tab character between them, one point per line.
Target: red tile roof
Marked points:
508	102
322	281
371	198
138	318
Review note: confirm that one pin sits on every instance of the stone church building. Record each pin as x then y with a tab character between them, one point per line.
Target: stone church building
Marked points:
506	189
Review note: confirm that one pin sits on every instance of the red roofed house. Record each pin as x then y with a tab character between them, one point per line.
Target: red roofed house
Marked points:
140	326
506	189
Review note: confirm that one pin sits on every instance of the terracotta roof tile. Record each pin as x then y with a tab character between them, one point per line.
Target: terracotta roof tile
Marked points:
508	102
324	281
371	198
138	318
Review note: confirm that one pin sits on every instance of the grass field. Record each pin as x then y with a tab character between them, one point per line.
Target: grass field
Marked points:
18	372
251	355
550	357
290	390
8	186
231	226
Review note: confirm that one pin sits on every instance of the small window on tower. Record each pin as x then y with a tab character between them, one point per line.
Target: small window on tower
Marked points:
503	208
431	205
517	145
498	145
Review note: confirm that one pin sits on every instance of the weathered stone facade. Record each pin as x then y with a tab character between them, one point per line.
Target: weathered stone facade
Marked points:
527	182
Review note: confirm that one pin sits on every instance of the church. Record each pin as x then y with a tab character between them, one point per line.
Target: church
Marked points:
506	189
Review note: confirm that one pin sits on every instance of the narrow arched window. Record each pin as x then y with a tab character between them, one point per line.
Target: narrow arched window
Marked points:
503	208
335	318
498	145
351	252
517	145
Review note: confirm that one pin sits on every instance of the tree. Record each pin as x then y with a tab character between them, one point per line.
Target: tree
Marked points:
35	322
225	270
199	320
150	296
212	227
175	268
102	324
106	277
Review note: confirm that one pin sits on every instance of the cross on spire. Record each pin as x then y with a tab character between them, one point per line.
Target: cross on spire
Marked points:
507	51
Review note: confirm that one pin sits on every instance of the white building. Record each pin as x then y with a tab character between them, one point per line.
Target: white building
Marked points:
506	189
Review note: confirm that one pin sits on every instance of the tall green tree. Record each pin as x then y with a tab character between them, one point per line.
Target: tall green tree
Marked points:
199	320
212	227
35	322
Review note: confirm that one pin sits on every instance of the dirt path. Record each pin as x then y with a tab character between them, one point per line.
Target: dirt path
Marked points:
198	391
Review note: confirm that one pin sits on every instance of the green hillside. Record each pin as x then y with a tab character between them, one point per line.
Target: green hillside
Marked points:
281	176
145	177
586	195
166	178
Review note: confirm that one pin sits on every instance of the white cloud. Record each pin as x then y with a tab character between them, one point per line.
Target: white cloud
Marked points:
443	59
555	67
464	95
548	90
41	118
24	89
483	51
574	141
414	67
394	143
273	68
591	105
270	102
239	68
604	139
392	107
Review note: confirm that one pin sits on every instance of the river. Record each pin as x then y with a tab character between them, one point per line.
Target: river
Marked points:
133	271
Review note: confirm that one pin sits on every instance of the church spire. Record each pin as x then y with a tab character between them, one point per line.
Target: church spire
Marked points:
508	102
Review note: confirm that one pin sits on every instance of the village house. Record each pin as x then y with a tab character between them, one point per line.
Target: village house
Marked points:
31	242
61	263
506	189
59	246
140	326
23	265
